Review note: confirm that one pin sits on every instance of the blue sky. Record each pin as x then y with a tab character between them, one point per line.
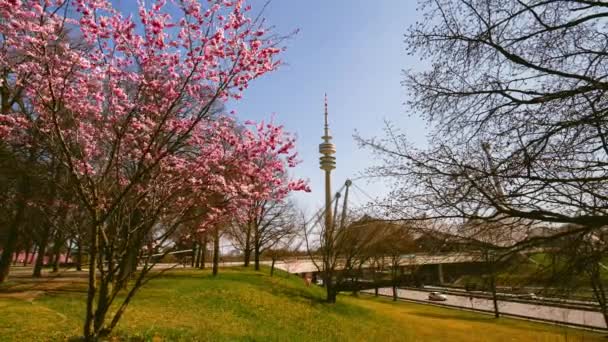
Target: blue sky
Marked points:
352	50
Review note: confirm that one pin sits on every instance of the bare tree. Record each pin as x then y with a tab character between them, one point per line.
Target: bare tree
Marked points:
527	77
392	243
577	264
324	244
269	222
347	246
282	248
240	235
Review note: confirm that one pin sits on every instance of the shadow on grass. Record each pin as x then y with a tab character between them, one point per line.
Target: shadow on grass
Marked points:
471	318
288	291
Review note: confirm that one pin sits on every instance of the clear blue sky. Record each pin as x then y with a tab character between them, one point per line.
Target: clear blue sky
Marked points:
352	50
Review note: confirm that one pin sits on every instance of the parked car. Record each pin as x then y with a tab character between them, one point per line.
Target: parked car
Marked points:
438	296
529	296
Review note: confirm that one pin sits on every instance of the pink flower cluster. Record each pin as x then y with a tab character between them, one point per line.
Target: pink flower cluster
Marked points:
117	99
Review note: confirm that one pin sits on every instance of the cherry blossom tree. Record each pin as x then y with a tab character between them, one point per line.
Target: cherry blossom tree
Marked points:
127	112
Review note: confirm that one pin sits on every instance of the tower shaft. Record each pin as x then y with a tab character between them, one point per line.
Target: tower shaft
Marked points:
328	163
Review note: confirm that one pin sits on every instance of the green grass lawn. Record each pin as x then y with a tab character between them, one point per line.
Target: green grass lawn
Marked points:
243	305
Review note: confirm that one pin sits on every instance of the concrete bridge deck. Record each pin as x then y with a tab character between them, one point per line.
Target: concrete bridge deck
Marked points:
306	265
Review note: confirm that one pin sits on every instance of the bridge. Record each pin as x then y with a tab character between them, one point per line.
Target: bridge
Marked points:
433	262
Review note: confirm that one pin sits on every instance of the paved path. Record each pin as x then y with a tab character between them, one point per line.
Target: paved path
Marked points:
534	311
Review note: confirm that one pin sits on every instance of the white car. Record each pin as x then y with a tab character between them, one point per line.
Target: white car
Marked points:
438	296
529	296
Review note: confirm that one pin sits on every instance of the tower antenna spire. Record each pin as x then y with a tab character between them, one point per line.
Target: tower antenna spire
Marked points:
326	114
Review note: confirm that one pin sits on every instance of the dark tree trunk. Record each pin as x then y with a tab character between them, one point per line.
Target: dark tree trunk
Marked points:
79	254
68	254
375	276
33	255
494	297
57	260
328	282
11	242
257	255
12	236
44	240
394	279
197	256
272	266
247	251
57	244
356	280
27	255
491	259
599	291
92	284
256	247
46	233
192	262
216	251
331	294
204	251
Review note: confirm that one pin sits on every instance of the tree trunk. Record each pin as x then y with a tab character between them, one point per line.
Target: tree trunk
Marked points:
375	277
102	307
79	254
331	294
27	255
491	260
92	288
197	256
11	241
394	275
216	250
57	244
46	233
68	254
355	280
204	251
599	291
192	264
494	298
33	255
256	247
57	260
272	266
12	236
328	282
247	251
257	255
42	251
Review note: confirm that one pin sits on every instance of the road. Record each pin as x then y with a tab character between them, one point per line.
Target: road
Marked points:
534	311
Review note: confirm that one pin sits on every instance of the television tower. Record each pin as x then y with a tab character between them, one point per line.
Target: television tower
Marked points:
328	163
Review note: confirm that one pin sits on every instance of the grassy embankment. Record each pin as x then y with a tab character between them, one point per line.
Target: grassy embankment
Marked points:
242	305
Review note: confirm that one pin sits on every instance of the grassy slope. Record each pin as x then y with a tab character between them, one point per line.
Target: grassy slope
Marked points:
245	305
